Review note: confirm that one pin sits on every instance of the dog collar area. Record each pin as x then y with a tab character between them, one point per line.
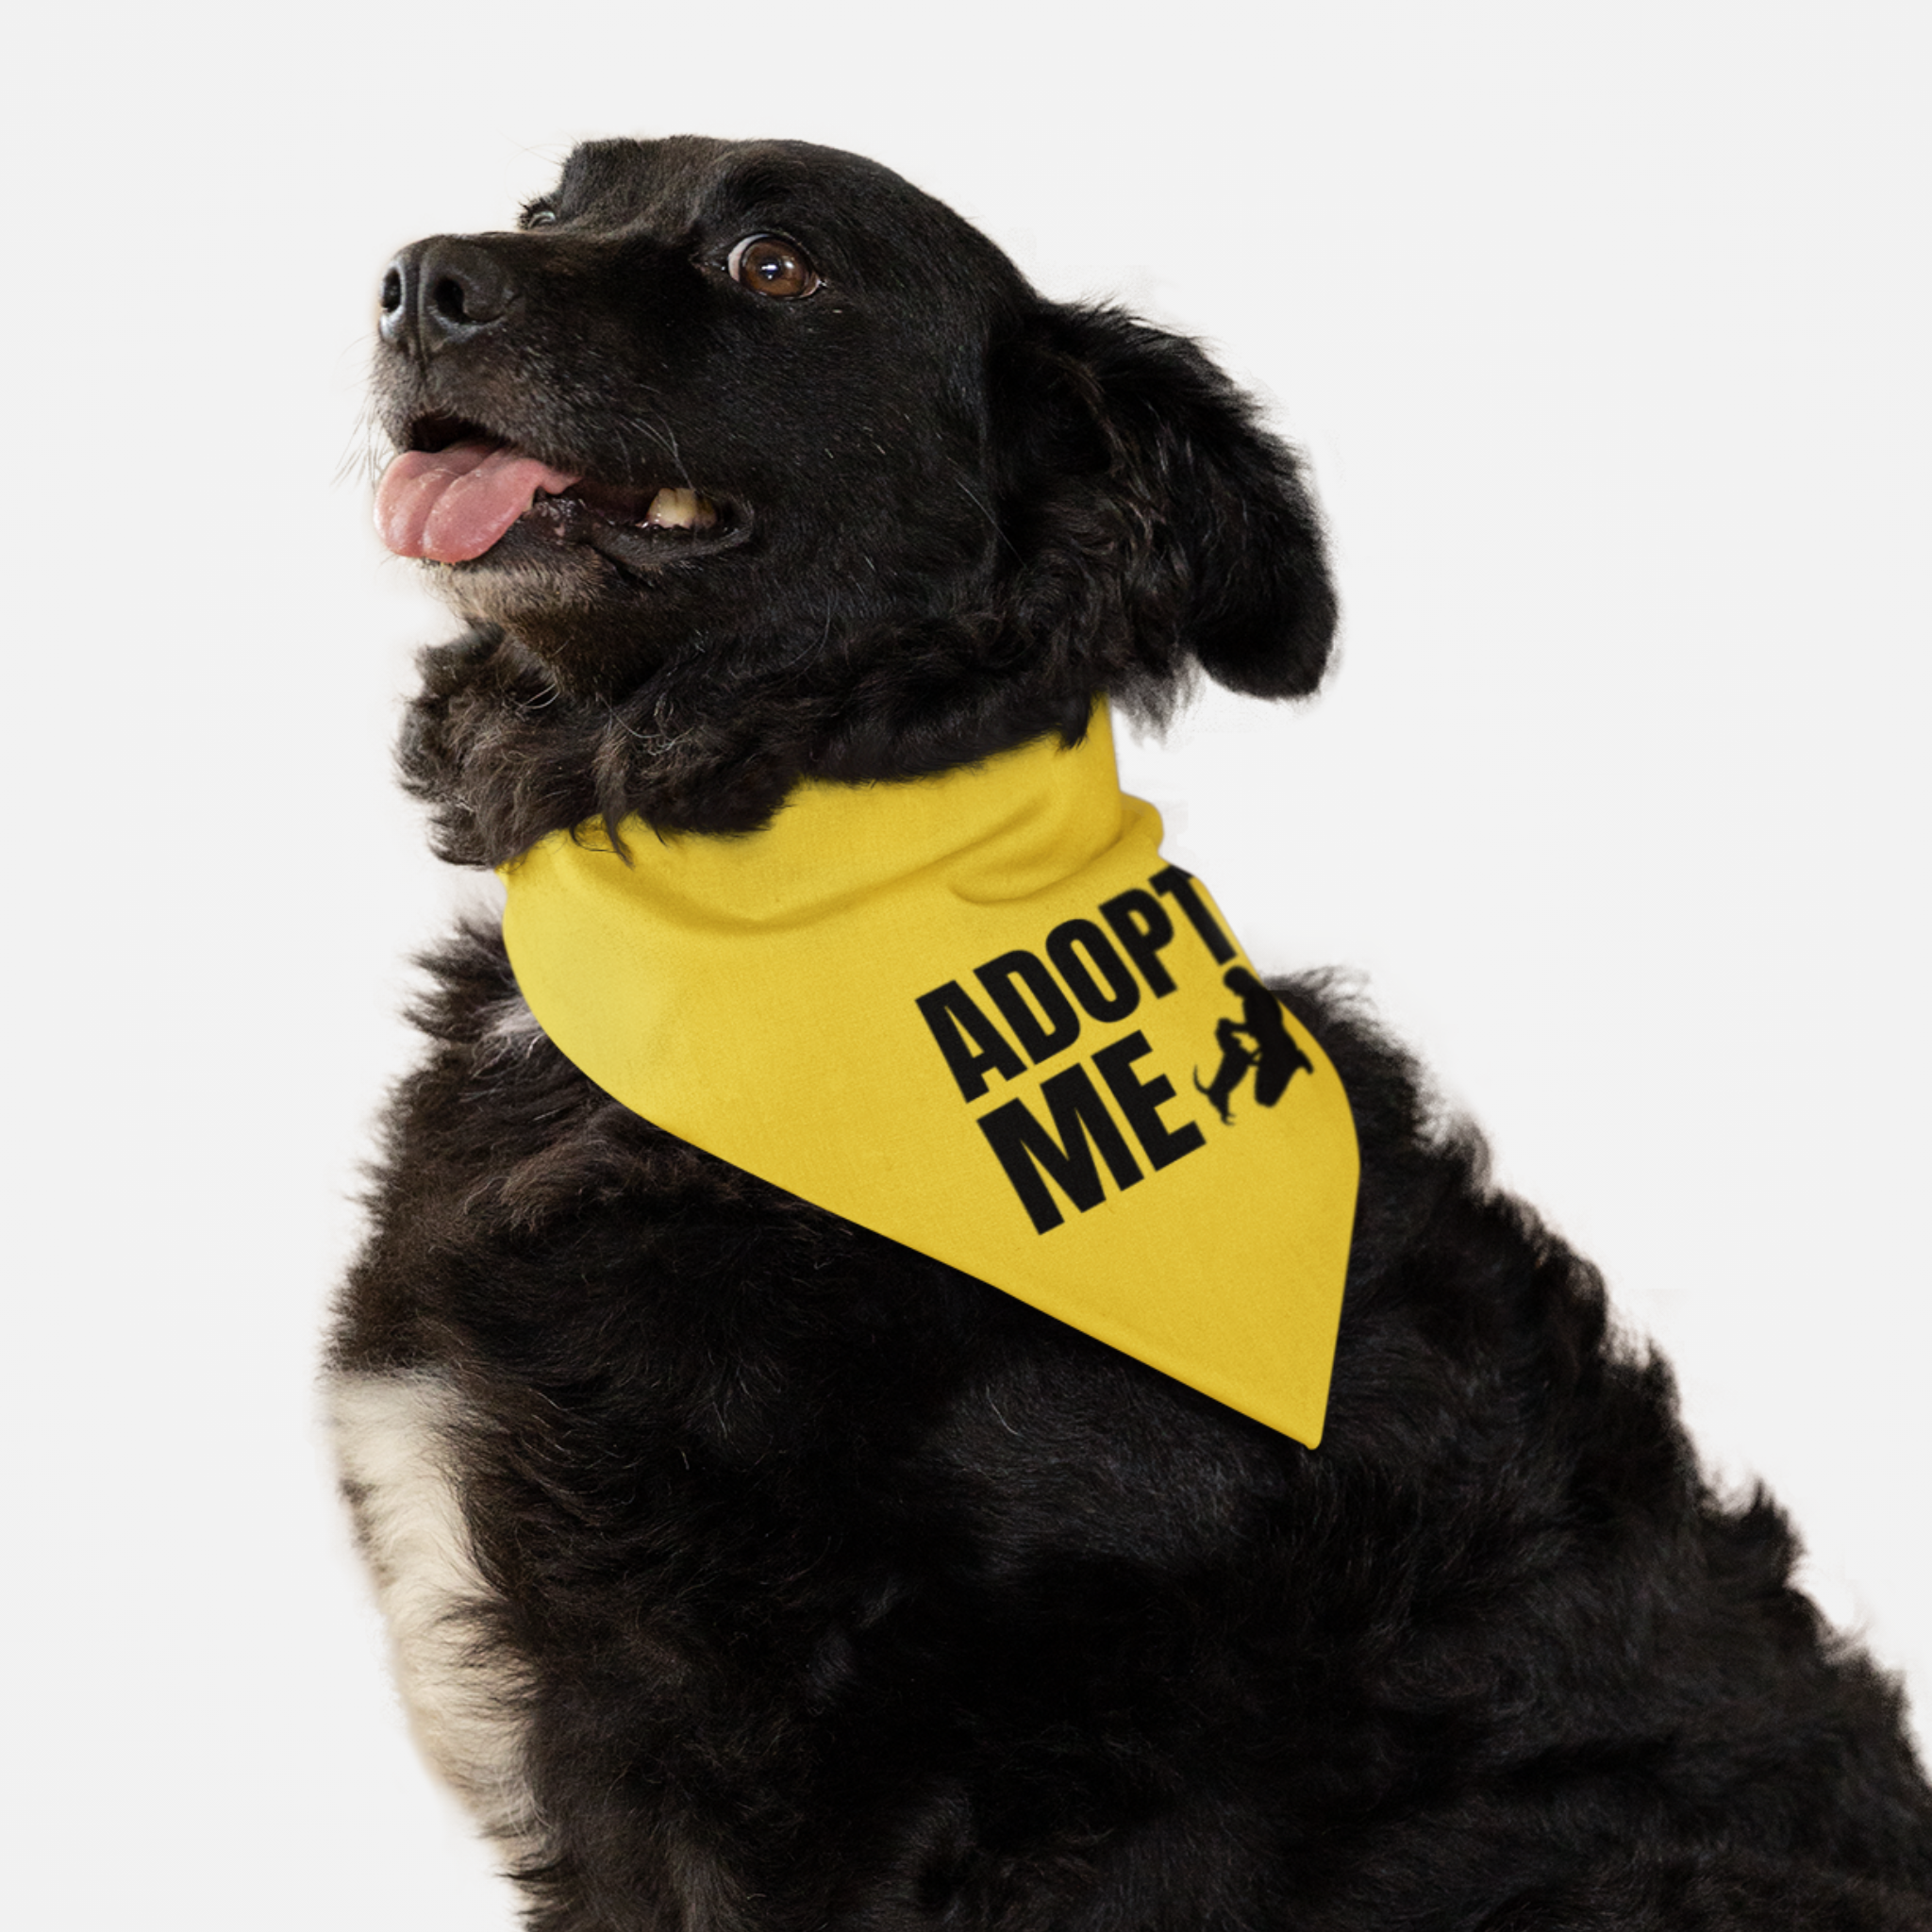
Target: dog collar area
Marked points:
980	1014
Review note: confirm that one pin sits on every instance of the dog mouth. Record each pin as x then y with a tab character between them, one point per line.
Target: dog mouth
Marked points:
458	490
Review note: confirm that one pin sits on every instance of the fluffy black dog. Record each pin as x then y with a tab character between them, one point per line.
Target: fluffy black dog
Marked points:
749	1571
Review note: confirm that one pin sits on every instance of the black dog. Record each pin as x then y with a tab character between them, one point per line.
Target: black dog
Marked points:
751	1571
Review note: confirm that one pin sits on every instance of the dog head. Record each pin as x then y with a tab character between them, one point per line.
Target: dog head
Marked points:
747	462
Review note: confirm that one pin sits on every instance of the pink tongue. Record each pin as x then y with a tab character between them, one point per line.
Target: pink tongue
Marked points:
452	505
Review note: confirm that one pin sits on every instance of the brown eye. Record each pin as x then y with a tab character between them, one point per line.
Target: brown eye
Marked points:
773	266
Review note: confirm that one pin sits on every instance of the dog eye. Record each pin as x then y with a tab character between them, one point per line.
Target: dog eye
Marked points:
773	266
537	215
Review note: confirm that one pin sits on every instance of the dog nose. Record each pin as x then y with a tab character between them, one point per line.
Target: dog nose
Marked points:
443	292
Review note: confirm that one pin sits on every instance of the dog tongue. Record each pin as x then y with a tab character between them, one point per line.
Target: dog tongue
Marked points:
454	504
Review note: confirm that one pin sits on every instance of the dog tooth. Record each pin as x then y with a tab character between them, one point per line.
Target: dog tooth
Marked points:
680	509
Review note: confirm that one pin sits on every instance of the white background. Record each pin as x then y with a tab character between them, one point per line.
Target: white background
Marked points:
1606	331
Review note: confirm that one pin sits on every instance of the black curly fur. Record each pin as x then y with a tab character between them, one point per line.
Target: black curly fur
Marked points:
840	1589
1090	427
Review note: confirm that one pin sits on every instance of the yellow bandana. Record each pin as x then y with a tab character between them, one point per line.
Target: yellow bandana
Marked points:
979	1014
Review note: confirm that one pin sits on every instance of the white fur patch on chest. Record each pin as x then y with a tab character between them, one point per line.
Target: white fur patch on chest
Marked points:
398	1445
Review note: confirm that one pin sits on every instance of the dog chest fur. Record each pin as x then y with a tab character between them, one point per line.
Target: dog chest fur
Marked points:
400	1445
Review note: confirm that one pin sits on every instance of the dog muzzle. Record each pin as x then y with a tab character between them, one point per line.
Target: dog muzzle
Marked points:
979	1014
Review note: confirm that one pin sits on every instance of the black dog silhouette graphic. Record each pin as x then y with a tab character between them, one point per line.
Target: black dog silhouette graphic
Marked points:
1258	1042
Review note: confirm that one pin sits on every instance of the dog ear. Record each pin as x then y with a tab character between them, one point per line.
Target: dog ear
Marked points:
1150	465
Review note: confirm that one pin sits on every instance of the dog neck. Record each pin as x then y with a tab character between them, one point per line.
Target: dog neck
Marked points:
972	1012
